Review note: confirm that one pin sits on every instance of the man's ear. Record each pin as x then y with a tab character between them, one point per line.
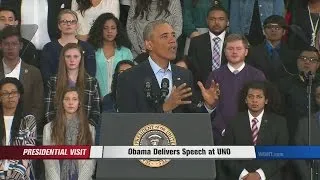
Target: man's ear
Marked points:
16	22
148	45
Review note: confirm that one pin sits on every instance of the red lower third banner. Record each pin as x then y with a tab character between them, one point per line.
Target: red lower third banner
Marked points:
44	152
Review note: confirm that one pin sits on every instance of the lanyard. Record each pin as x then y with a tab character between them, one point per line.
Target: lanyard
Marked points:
314	28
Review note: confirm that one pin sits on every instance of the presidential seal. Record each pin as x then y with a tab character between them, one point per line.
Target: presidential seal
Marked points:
154	135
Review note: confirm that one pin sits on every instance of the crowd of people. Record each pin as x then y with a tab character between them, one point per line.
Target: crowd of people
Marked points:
247	63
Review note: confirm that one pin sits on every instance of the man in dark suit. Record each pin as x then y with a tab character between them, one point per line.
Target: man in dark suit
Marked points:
301	138
206	50
28	53
256	126
273	57
132	91
12	66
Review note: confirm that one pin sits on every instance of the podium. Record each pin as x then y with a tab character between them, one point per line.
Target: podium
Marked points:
121	129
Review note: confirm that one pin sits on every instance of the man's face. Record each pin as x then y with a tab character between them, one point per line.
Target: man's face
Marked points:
235	52
256	100
308	61
217	21
162	43
274	32
7	18
11	47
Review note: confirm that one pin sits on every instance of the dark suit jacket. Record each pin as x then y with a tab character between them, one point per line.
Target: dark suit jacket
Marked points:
259	58
200	57
33	89
131	97
301	139
273	131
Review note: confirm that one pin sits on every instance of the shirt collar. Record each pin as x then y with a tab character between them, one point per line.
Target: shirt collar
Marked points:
232	69
5	66
156	68
259	117
221	36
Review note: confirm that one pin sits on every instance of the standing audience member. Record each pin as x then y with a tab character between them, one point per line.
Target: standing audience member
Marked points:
247	17
89	10
141	12
301	138
160	41
29	76
273	57
109	103
206	51
17	128
28	53
68	24
71	73
294	89
112	45
124	10
257	125
70	127
231	79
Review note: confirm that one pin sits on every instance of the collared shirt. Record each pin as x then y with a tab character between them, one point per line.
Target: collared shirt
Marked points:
12	73
162	73
270	48
221	36
232	69
260	171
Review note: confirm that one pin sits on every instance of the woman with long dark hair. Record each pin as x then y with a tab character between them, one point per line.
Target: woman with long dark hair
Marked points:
109	103
70	127
16	129
112	46
141	12
89	10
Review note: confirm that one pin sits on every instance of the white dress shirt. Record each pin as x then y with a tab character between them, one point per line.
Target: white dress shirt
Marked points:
221	36
7	123
232	69
260	171
15	73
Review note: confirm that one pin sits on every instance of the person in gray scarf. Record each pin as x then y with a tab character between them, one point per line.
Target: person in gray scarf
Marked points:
70	127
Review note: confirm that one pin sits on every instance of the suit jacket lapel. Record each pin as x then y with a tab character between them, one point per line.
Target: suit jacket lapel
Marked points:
176	76
208	52
23	71
150	73
263	128
247	133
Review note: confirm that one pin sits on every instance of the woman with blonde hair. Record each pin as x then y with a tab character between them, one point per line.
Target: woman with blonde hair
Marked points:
70	127
71	73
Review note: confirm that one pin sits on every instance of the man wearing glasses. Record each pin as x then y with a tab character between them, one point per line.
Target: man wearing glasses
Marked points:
273	57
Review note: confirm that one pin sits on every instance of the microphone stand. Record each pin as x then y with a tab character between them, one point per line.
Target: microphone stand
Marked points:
313	164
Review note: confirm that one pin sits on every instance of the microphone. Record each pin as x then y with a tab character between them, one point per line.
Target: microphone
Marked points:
148	89
164	88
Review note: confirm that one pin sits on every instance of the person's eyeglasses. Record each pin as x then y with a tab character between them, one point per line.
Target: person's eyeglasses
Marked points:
311	59
71	22
274	27
8	94
10	44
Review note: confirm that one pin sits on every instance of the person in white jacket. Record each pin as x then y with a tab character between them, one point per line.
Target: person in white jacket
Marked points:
71	127
89	10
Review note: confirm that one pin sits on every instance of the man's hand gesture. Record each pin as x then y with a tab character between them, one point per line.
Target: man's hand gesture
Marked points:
176	97
210	95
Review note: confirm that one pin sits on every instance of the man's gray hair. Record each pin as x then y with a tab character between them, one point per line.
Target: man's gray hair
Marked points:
150	27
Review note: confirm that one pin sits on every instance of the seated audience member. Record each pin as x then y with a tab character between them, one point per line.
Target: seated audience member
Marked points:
182	62
70	127
109	101
89	10
71	73
273	57
247	17
29	76
112	45
206	51
294	89
231	79
68	24
28	53
160	41
17	128
301	138
142	12
256	125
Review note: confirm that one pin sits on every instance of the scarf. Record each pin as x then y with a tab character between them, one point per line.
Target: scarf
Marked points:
69	168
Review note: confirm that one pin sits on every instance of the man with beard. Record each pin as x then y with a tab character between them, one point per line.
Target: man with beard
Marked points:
273	57
206	50
160	42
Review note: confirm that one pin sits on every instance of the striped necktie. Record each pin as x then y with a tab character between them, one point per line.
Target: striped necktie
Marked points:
216	54
254	130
